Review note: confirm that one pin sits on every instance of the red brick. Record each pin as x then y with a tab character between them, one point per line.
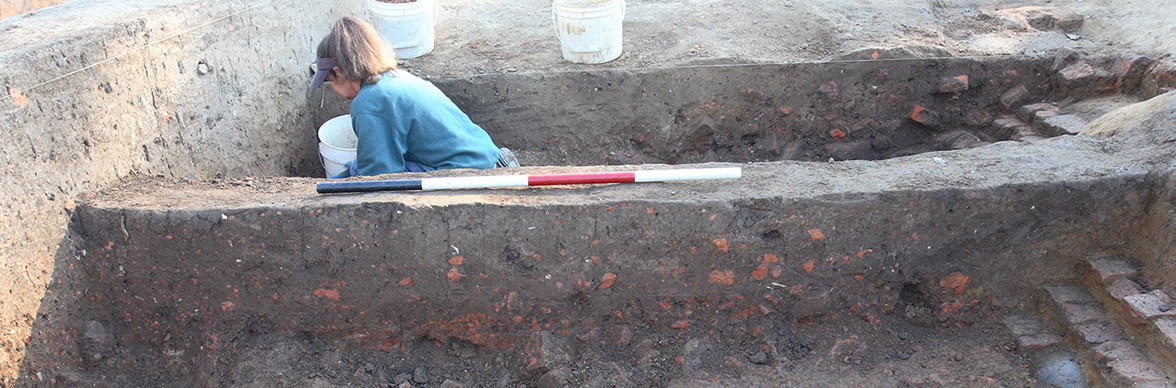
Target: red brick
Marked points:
1130	372
1064	57
1159	77
1024	326
927	117
1014	98
955	84
1098	332
1042	115
1111	351
1128	71
1037	341
1149	306
1028	112
1167	328
1082	79
1122	364
1080	71
1060	125
1055	18
1070	293
1009	127
1166	344
1111	268
1121	288
1079	313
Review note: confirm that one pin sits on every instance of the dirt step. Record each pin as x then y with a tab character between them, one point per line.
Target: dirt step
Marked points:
1109	356
1146	316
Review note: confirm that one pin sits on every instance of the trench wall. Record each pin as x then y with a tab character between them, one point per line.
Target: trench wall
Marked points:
1156	243
184	288
9	8
754	112
180	89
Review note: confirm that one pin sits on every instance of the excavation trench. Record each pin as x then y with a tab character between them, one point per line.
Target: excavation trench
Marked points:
837	273
847	109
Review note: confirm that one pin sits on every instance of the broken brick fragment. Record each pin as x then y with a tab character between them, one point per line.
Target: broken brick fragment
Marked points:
453	275
953	85
1028	112
760	273
607	280
837	134
927	117
1129	70
1160	78
721	243
1050	18
1082	79
1014	98
956	281
722	277
830	89
1011	128
1064	57
325	293
808	266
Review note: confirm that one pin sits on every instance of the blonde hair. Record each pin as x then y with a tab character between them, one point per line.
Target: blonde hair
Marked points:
358	50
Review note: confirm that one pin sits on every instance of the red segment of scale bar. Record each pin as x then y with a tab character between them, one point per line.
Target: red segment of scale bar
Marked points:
578	179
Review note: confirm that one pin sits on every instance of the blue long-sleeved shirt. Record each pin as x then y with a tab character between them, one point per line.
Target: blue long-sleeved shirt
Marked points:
405	118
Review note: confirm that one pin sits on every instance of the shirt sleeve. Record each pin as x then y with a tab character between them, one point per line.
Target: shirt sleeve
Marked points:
381	147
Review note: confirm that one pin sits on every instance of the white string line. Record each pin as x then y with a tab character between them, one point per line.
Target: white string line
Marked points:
132	51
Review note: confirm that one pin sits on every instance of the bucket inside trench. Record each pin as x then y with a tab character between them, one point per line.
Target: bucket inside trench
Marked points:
337	145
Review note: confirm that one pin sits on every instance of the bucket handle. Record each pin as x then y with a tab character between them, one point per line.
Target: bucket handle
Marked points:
323	162
555	24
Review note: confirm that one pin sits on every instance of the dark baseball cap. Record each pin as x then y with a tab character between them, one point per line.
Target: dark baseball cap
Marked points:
323	66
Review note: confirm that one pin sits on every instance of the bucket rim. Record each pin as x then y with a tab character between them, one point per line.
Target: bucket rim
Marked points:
401	9
327	124
582	8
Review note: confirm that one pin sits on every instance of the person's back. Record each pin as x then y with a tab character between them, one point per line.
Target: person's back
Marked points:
403	118
403	123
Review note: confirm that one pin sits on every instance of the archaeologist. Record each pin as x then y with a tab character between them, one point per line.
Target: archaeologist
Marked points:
403	122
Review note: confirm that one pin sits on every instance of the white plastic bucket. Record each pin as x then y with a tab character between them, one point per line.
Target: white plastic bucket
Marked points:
589	30
337	143
408	27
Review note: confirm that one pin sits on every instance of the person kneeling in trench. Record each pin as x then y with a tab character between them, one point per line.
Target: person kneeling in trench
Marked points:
403	123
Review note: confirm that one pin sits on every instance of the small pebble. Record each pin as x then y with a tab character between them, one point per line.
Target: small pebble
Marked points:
759	358
420	375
